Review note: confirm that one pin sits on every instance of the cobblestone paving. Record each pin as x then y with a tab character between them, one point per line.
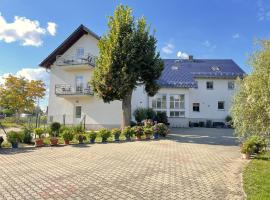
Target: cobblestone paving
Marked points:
164	169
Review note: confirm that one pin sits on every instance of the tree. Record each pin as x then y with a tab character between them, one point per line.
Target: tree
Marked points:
19	94
127	59
251	105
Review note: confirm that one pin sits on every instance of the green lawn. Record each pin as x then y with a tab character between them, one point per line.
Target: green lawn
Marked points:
257	178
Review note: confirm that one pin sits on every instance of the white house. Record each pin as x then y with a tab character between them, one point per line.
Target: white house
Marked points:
192	90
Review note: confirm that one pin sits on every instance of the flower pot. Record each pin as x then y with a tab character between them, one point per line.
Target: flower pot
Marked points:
246	156
92	140
66	142
156	135
147	136
116	138
39	142
54	141
139	137
14	145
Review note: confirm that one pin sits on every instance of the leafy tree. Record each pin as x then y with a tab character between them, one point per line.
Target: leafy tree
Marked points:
127	59
19	94
251	106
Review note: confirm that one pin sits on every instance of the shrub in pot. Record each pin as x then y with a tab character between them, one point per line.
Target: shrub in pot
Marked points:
148	131
104	134
68	135
116	132
247	148
259	143
27	136
138	131
39	141
55	127
14	138
128	132
156	131
162	129
92	136
81	138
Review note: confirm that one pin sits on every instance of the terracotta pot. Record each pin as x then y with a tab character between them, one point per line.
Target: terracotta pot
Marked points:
39	142
66	142
245	156
54	141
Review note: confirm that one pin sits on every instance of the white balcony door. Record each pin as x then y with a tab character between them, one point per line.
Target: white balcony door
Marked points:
79	83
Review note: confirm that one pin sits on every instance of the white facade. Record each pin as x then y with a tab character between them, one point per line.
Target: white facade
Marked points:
70	107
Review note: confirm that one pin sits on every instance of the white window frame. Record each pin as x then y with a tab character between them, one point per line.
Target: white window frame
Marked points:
231	85
207	85
77	116
80	53
175	109
197	106
161	103
223	105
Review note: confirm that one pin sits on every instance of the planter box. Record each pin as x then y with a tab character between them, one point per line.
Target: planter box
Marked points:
39	143
54	141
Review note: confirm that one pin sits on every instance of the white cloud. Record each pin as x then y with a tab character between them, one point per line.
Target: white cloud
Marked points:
236	36
182	55
264	11
27	32
168	48
51	28
209	45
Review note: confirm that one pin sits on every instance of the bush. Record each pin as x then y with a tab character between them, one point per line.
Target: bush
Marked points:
162	117
27	136
128	132
14	137
81	137
248	147
63	128
162	129
148	131
92	135
78	129
141	114
39	132
55	127
253	144
138	130
68	135
228	119
104	134
116	132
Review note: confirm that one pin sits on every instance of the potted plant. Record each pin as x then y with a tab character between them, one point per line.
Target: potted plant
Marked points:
79	132
92	136
1	141
247	148
138	131
116	132
104	134
156	131
67	136
55	127
128	132
162	129
39	141
148	131
14	138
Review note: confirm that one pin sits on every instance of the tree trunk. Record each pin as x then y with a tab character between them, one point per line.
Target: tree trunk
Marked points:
126	110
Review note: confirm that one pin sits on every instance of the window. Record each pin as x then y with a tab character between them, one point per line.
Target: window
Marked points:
177	101
79	83
196	107
221	105
159	102
177	113
196	85
80	53
78	111
231	85
209	85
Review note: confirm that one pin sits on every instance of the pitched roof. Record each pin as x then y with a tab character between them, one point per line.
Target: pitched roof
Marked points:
74	37
181	73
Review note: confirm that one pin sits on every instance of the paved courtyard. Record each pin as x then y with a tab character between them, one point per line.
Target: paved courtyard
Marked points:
191	164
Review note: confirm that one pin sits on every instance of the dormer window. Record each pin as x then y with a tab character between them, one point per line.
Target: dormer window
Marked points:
215	68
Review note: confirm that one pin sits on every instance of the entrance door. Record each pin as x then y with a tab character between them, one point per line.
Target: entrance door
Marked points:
78	114
79	84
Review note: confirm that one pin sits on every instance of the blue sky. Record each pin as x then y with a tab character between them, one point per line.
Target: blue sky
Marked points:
205	29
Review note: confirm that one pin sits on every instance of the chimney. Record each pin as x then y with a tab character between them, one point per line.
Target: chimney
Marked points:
190	57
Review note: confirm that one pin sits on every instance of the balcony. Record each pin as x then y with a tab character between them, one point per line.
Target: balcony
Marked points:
75	62
68	90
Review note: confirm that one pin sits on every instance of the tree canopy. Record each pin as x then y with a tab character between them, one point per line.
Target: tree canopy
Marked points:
20	94
251	106
127	59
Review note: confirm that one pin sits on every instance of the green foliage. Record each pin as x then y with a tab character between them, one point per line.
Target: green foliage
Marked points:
252	144
39	132
256	177
228	118
68	134
251	105
8	112
63	128
161	129
128	132
127	59
116	132
104	134
78	129
55	127
148	130
27	135
15	137
138	130
81	137
92	135
141	114
162	117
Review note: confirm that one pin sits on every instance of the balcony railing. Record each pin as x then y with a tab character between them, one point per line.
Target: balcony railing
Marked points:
86	59
63	89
